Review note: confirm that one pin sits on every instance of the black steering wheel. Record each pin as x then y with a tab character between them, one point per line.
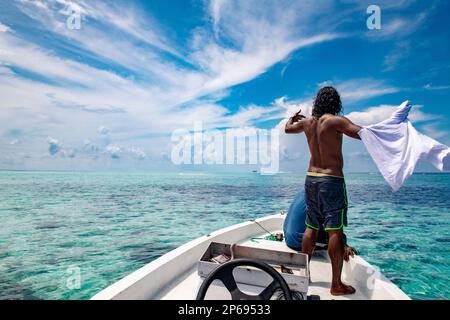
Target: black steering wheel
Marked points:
224	273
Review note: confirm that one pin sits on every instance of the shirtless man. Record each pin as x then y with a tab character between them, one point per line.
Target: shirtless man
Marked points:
325	191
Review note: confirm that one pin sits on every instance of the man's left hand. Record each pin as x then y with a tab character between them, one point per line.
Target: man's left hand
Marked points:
349	252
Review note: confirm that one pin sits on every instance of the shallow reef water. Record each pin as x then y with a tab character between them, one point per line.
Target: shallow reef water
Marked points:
109	224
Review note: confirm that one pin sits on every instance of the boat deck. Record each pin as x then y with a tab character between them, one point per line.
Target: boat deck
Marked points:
174	275
320	270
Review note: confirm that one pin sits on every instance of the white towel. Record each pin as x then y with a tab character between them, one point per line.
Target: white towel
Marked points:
396	147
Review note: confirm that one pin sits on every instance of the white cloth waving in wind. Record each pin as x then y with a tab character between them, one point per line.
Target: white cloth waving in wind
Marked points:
396	147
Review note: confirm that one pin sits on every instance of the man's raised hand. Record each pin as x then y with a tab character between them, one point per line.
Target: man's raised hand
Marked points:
298	116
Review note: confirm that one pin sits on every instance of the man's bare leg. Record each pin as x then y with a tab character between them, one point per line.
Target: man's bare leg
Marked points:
309	242
336	253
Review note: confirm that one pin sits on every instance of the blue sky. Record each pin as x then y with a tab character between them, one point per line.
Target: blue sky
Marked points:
108	96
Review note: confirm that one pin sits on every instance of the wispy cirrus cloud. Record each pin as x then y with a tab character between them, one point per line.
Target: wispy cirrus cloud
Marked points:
356	90
4	28
377	114
432	87
216	67
215	8
397	55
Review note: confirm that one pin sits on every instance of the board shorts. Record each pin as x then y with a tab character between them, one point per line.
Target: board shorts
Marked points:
326	201
294	225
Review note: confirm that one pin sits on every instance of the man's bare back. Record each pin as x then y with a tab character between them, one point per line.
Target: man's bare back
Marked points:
324	137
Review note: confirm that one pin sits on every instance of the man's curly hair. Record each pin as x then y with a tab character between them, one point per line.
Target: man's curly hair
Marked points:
327	101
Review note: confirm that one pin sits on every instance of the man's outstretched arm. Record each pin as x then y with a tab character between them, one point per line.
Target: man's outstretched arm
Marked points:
345	126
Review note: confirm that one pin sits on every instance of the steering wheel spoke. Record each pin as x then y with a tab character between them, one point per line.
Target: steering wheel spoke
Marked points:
268	292
229	282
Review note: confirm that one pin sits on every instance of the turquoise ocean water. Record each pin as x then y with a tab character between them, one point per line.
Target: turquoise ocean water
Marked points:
110	224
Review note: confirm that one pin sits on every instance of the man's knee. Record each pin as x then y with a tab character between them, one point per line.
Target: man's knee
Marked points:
336	236
336	233
311	233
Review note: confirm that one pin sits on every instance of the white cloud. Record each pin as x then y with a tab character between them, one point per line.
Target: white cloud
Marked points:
377	114
35	59
138	153
432	131
102	130
4	70
4	28
431	87
356	90
37	3
215	7
52	13
398	25
248	115
397	55
114	151
54	146
90	148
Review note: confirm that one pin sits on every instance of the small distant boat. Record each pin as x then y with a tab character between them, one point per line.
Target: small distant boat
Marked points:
174	276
